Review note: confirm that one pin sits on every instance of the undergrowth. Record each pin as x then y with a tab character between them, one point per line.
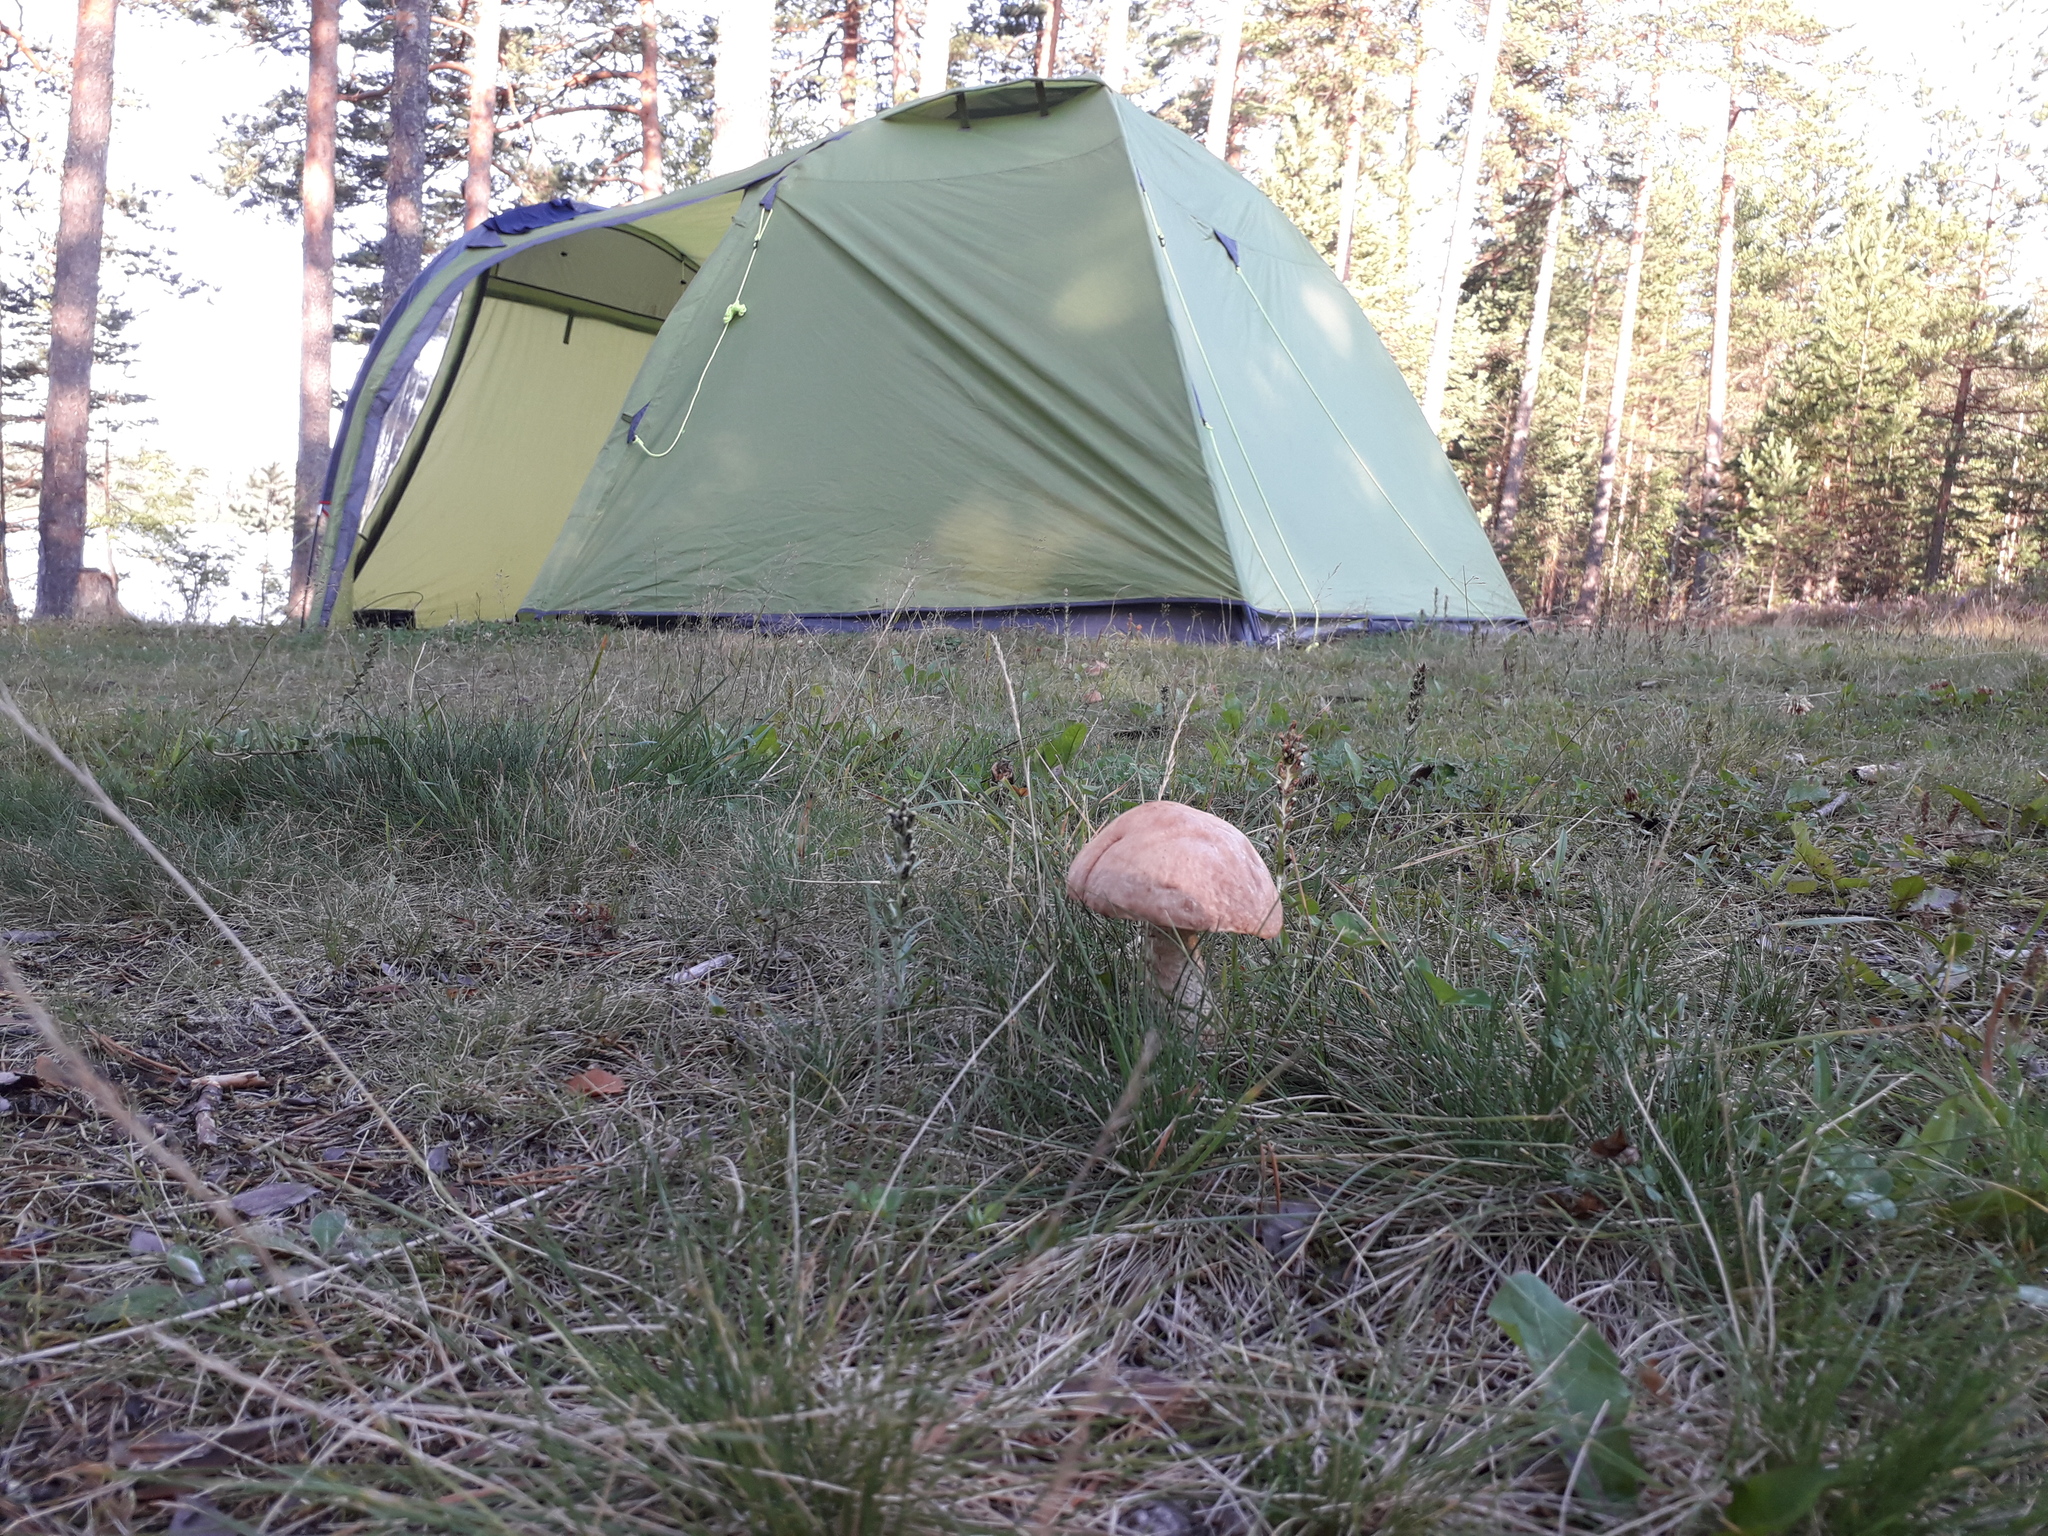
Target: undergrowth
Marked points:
1688	972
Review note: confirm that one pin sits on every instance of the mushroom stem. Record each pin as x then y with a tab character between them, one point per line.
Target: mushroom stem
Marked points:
1177	970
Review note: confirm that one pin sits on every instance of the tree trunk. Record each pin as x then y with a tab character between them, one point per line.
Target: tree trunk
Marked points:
1116	44
1944	498
483	115
652	179
1049	40
316	297
74	311
405	166
849	62
1532	367
899	50
1703	560
1455	254
1229	42
935	48
9	614
1411	149
1347	207
741	78
1617	398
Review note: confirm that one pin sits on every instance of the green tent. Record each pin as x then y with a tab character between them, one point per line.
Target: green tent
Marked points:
1016	353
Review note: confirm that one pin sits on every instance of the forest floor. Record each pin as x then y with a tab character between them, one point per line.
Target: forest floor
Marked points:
1612	1143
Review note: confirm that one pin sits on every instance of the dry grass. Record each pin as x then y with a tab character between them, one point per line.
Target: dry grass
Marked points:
843	1255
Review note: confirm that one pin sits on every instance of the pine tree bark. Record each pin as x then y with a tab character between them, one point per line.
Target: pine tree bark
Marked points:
405	165
74	312
1708	538
1510	504
483	114
1116	44
1617	397
1456	253
935	48
1229	43
652	179
1347	205
316	297
849	62
741	80
9	614
899	51
1049	40
1411	149
1951	467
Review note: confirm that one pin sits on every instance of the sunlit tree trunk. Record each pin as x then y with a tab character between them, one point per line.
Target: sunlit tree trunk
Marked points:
740	84
1116	44
316	295
1049	40
9	614
1532	367
1460	244
652	179
405	167
1347	207
1411	149
1703	559
849	62
483	114
900	60
74	310
1617	397
1229	42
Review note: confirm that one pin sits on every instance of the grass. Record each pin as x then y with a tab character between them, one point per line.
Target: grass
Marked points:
1604	962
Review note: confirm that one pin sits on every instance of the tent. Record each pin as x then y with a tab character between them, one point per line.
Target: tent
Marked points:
1013	353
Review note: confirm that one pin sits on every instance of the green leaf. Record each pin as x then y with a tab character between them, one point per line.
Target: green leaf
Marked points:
1905	888
185	1264
1057	750
1775	1501
1341	820
327	1229
1581	1377
138	1304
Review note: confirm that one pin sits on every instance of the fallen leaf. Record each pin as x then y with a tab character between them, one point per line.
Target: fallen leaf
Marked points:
142	1240
596	1082
437	1159
1617	1148
30	935
269	1199
1653	1381
1092	696
54	1078
27	1246
197	1515
1130	1392
1867	773
1582	1203
1093	669
1283	1231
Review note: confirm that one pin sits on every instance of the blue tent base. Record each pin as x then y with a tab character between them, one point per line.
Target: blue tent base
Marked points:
1188	621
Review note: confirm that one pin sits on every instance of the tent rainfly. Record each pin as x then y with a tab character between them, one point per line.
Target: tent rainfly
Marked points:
1020	353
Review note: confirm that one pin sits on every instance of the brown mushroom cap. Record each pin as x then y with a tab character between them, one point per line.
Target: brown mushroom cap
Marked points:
1175	867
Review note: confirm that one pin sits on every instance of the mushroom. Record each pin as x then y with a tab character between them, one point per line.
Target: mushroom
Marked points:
1182	873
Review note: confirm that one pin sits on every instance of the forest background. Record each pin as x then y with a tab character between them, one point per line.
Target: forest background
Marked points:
1745	301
